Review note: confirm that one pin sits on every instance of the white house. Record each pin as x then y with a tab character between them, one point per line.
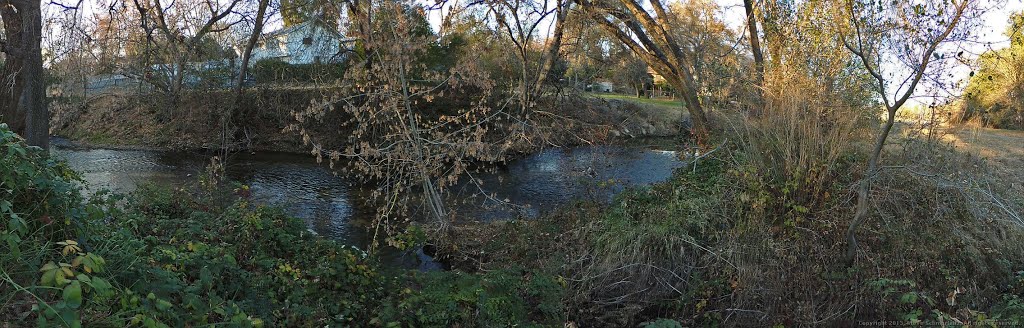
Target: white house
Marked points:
309	42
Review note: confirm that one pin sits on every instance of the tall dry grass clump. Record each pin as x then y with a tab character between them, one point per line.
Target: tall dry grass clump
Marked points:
934	250
792	165
797	144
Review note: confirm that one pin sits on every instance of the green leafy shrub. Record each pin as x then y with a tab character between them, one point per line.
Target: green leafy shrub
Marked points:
206	256
46	273
165	257
1009	308
276	70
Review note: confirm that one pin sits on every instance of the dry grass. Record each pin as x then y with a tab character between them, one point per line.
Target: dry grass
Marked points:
1003	150
938	224
702	250
796	144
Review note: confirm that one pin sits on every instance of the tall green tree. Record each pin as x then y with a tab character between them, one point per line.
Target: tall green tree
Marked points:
995	93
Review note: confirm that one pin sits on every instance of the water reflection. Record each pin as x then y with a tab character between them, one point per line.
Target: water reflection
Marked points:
330	204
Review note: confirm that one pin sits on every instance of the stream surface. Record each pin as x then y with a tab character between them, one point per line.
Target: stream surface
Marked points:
332	205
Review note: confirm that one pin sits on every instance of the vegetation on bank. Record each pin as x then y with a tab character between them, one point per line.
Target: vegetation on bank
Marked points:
206	255
737	237
718	244
787	177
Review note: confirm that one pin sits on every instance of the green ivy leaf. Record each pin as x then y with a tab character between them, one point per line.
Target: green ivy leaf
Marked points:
5	206
13	243
908	298
163	305
16	224
102	287
73	294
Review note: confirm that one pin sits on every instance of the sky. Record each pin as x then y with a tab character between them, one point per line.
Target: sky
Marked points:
996	21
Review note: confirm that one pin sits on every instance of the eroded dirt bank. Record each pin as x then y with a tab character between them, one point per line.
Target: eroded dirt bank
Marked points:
133	121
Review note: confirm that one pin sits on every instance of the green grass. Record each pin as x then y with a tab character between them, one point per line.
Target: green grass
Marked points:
666	103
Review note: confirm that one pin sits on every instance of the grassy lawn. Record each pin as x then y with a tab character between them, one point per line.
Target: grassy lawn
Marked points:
674	104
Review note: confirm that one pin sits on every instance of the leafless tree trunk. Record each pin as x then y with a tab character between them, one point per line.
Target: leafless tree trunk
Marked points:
184	46
520	21
433	200
553	47
12	84
25	105
231	116
257	29
755	43
859	48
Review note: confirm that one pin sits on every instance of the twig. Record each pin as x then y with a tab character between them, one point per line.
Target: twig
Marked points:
695	159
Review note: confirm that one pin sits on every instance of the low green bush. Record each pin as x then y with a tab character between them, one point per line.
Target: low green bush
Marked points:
165	257
46	271
207	255
276	70
650	237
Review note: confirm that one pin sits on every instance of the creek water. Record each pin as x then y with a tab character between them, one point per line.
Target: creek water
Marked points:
332	205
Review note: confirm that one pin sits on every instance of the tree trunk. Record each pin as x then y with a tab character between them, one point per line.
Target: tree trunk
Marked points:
433	201
231	116
33	97
755	43
247	53
755	49
24	105
862	190
11	82
554	46
178	80
647	37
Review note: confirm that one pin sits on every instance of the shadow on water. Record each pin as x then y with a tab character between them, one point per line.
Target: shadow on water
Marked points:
331	205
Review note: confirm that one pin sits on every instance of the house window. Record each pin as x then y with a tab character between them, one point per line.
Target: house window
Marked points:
307	41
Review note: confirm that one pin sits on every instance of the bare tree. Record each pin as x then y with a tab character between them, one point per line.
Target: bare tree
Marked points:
230	117
257	30
412	155
520	20
905	33
183	27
